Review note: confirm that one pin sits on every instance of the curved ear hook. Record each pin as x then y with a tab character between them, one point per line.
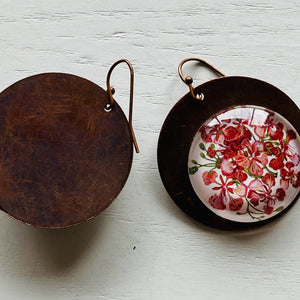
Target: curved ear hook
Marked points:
111	91
189	80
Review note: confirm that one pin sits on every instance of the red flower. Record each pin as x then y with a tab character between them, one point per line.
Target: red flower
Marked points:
239	174
227	190
268	209
295	158
289	176
211	152
208	131
271	149
260	131
272	128
277	162
238	143
269	180
286	152
209	177
220	138
217	201
232	137
261	191
290	135
254	159
280	193
240	190
256	192
227	166
275	131
235	203
230	169
230	133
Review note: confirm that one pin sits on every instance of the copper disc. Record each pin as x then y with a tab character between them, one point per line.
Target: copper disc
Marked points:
184	121
63	158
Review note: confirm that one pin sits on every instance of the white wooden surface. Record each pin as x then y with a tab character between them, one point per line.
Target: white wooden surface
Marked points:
143	246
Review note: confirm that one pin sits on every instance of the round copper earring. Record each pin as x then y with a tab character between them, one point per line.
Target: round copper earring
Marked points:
66	148
228	152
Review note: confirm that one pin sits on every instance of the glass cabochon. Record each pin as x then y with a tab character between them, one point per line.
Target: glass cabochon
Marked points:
244	164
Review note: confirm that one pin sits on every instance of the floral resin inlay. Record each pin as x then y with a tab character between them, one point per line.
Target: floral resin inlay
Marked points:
244	164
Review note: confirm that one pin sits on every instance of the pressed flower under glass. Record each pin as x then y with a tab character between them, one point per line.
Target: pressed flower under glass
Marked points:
244	164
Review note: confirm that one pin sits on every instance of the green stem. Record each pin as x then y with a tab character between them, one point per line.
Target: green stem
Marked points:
252	175
254	206
206	165
251	213
209	159
271	172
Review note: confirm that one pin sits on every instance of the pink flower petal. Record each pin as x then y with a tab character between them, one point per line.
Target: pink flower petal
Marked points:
277	162
269	180
290	135
256	185
241	190
209	177
219	139
230	133
242	160
296	180
227	167
216	201
255	197
255	168
263	158
284	184
258	147
260	131
268	209
280	193
235	203
295	159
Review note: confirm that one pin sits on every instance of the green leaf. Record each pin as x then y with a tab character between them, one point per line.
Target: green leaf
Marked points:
218	163
193	170
212	146
194	162
202	155
280	208
201	145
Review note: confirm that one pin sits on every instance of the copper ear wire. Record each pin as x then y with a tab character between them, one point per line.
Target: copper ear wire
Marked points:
111	91
188	80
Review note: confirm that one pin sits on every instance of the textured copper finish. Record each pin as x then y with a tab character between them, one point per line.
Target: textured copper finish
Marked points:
185	119
63	159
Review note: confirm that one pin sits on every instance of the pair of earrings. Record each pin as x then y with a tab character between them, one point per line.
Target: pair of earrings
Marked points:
66	150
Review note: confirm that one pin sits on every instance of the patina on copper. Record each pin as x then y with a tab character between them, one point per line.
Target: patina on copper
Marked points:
63	158
185	119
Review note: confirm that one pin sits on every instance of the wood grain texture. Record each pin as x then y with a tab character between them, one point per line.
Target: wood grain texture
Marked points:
143	246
